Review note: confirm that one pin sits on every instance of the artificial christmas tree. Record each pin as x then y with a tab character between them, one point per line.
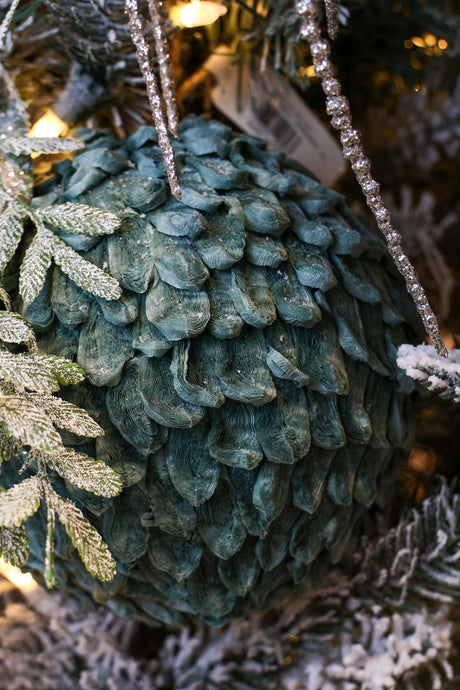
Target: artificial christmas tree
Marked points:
250	533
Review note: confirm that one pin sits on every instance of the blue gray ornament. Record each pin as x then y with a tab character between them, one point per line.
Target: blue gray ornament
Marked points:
246	379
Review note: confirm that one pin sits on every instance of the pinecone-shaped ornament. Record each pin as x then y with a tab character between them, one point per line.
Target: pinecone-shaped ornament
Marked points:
246	379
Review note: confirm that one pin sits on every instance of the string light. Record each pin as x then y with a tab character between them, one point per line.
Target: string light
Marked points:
49	125
197	13
23	581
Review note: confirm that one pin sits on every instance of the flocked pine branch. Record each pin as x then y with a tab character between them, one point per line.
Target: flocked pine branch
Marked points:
47	246
388	621
30	415
441	375
15	209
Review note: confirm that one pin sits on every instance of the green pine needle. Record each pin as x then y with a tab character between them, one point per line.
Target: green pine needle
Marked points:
8	447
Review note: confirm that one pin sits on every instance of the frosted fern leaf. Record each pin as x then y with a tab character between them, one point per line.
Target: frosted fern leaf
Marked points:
36	263
8	447
65	415
28	425
20	502
36	372
85	538
15	329
11	229
14	545
80	219
435	373
85	274
85	472
17	146
65	371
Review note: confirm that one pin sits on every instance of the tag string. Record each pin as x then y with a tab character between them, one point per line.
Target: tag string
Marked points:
338	108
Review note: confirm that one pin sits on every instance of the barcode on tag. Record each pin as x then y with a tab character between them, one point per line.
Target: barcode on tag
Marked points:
286	136
268	107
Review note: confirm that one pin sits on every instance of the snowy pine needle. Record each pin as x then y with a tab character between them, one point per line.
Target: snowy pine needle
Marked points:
28	424
85	274
80	219
423	364
11	230
15	195
418	562
67	416
37	372
20	145
15	329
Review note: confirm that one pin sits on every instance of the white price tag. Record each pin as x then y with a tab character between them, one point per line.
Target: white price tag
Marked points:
269	108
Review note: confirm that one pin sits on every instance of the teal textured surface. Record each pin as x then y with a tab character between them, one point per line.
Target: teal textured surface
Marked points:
246	380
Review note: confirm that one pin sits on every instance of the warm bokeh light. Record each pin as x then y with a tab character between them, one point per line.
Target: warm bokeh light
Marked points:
430	40
49	125
430	43
418	41
23	581
197	13
306	71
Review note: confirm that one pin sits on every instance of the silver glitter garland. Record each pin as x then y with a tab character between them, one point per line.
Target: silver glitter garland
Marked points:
338	108
166	77
143	57
332	17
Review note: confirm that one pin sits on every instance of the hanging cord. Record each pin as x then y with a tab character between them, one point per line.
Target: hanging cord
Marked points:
166	76
338	108
153	93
